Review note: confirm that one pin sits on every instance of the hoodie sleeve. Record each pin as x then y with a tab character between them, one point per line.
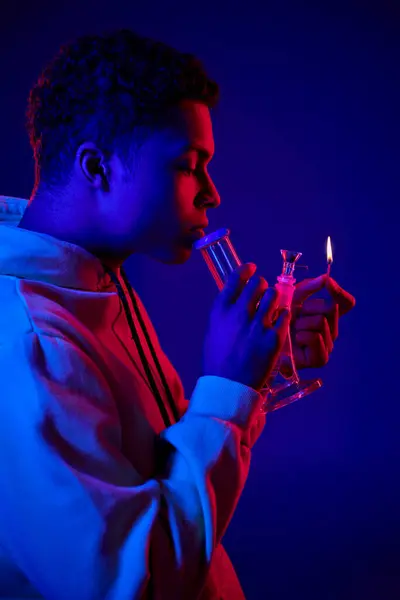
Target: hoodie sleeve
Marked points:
75	516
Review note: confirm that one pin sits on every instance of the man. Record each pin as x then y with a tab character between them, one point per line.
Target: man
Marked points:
113	485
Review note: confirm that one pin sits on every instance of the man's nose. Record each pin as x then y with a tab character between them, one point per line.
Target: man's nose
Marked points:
212	195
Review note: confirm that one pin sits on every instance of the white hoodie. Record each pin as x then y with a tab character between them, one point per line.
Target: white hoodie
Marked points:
113	486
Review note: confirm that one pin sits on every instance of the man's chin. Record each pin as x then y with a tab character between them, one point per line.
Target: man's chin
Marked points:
176	256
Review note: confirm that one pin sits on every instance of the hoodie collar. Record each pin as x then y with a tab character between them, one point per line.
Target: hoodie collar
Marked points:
37	256
40	257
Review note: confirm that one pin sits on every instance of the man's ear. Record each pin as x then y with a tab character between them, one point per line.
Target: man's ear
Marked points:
91	164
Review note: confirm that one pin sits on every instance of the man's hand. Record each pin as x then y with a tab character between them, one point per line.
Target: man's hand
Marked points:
315	322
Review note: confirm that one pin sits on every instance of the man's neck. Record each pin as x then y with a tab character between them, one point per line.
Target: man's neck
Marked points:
42	218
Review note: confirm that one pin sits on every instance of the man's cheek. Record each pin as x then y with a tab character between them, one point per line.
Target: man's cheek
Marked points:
187	187
184	200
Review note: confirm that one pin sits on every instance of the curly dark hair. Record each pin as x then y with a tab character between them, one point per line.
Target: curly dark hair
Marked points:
104	88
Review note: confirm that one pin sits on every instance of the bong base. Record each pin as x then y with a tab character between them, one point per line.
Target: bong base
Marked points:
289	393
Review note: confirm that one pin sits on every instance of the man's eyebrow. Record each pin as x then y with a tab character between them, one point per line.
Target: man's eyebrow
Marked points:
202	152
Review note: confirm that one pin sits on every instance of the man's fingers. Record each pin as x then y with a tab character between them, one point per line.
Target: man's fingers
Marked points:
310	350
307	288
345	300
235	283
282	325
318	324
268	306
317	306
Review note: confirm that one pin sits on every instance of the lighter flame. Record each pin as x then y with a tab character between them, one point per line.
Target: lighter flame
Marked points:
329	254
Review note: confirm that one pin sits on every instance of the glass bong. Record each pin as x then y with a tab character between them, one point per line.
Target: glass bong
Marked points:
284	385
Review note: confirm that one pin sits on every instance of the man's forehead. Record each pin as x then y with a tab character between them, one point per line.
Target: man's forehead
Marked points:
192	124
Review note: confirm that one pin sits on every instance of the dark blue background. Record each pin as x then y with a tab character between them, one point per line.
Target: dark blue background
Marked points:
307	145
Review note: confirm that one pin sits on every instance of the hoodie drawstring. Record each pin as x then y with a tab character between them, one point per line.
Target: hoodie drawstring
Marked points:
136	339
150	345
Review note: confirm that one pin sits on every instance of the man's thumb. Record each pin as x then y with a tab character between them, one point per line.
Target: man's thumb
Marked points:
307	288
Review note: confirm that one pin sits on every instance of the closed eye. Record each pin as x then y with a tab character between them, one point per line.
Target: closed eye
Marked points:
189	171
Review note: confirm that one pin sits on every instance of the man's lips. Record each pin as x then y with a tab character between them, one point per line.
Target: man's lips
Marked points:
197	233
202	226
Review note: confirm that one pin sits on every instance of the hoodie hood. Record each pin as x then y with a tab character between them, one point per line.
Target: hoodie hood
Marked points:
12	209
30	255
